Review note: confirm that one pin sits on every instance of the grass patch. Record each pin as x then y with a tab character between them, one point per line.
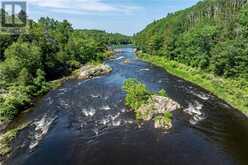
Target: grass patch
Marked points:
233	91
7	138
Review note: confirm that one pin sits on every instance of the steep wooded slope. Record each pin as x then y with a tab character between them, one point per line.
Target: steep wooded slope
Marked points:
211	35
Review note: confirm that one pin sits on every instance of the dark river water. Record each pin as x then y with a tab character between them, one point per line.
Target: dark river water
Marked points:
86	123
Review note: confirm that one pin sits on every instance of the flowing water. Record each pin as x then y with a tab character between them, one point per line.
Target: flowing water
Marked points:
86	123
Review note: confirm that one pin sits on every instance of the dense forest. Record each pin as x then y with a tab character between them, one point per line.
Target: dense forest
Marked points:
212	36
48	49
206	44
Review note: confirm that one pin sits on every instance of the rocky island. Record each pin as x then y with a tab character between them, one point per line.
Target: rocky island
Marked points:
148	105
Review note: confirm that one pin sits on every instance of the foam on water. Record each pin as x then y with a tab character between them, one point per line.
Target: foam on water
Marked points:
146	69
41	129
63	104
113	117
194	108
105	107
116	123
123	110
95	96
89	112
160	81
119	58
50	100
201	95
195	111
96	131
104	121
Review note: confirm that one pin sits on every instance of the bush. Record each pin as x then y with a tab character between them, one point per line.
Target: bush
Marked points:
164	120
40	85
162	92
137	93
11	102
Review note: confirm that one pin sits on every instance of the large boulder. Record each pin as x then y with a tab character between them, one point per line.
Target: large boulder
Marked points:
89	71
157	108
164	104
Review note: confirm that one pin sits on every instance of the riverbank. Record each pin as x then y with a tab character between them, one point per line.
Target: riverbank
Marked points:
234	92
87	71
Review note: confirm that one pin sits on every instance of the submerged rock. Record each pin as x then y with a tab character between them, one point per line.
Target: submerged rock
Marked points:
158	108
90	71
126	61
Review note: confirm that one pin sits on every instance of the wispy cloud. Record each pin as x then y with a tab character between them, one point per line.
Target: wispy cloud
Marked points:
82	6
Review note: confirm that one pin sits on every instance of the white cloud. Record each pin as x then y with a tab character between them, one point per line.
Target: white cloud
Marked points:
83	6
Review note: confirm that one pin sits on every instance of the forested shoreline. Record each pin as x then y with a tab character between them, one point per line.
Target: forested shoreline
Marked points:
48	50
211	38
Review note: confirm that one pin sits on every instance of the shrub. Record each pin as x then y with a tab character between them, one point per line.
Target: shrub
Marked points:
162	92
137	93
164	120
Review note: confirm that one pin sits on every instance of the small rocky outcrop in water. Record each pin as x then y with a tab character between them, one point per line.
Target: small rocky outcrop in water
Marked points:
148	105
159	109
126	62
89	71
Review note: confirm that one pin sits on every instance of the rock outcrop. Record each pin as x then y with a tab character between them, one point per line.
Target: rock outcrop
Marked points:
158	108
89	71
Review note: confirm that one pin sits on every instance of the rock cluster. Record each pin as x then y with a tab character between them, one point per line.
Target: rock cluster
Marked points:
156	108
90	71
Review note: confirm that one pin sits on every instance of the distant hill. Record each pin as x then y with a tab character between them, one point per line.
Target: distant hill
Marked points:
110	38
212	35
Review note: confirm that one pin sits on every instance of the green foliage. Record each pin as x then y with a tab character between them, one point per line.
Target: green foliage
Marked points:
16	97
137	93
243	19
7	138
5	41
210	37
40	86
164	119
22	55
23	77
234	91
162	92
213	40
50	50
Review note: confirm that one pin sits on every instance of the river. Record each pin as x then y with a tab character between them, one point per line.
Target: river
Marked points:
87	123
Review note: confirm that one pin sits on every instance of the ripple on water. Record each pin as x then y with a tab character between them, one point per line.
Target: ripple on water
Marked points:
116	123
105	108
119	58
194	109
95	96
145	69
41	129
200	95
89	112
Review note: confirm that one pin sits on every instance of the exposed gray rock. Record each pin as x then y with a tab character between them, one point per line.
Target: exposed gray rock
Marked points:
164	104
126	61
155	109
89	71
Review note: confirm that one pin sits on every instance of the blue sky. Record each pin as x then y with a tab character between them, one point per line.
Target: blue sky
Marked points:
124	16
